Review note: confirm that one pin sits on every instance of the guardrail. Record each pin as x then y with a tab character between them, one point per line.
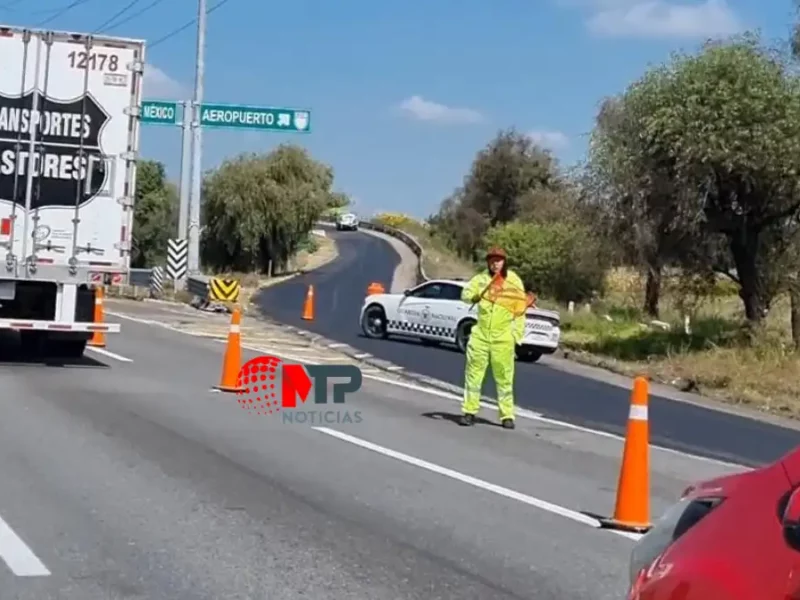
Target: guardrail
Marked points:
407	239
198	285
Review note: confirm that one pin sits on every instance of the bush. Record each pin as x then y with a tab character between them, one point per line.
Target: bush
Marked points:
396	220
560	260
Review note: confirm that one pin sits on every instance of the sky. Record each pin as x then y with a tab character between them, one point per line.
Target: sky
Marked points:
403	94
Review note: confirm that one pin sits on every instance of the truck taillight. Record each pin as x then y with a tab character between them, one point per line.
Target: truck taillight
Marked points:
5	226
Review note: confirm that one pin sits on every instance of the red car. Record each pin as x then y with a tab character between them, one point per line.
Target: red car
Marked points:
732	538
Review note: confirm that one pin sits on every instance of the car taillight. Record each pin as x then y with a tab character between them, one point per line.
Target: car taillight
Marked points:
5	226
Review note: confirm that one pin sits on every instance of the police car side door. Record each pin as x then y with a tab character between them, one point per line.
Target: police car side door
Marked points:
416	309
445	312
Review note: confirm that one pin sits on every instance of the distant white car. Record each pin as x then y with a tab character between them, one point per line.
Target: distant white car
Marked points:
347	221
434	313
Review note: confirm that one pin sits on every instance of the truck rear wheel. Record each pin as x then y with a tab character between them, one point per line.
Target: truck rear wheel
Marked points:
67	348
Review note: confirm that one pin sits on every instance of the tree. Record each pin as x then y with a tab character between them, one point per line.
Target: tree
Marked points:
563	260
640	207
726	125
258	209
154	216
497	188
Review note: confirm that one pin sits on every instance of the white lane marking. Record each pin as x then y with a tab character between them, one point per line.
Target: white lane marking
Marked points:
527	414
520	412
395	368
16	554
363	355
110	354
555	509
337	345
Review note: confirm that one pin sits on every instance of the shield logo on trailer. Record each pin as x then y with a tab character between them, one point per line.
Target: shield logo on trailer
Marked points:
301	120
69	167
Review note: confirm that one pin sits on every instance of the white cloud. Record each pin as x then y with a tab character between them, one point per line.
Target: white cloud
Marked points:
659	18
554	140
159	85
416	107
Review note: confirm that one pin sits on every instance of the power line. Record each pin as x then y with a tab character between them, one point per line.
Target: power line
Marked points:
129	18
186	26
118	14
63	11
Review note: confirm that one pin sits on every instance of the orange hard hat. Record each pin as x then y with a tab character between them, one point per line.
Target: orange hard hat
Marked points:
495	252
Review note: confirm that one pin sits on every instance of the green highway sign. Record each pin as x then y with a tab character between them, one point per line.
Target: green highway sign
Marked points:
232	116
156	112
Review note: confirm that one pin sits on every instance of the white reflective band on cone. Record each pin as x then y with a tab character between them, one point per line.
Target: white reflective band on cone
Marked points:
638	413
234	329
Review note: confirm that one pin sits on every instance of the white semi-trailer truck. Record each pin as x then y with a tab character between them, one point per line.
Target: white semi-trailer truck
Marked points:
69	140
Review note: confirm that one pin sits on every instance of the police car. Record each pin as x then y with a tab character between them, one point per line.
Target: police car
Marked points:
434	313
347	221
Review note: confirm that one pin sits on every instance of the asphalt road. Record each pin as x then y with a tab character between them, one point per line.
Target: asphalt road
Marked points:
339	294
127	478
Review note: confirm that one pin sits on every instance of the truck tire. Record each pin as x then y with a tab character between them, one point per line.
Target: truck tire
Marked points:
73	348
32	343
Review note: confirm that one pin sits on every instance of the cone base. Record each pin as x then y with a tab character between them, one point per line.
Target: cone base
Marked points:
611	523
308	318
96	345
228	388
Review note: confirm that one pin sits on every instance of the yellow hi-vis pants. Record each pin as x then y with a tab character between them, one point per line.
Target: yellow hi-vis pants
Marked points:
480	354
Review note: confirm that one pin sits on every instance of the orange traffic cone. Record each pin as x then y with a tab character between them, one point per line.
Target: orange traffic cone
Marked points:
632	510
232	363
375	288
98	340
308	305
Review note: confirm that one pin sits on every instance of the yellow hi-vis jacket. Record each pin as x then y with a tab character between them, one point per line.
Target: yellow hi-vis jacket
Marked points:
501	309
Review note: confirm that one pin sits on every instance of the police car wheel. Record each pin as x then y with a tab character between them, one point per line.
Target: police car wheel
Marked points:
462	335
528	355
373	323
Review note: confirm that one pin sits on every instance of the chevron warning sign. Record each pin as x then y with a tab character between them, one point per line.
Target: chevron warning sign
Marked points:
224	290
177	259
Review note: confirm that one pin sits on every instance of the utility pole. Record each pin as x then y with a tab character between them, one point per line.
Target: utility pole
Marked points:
197	142
186	173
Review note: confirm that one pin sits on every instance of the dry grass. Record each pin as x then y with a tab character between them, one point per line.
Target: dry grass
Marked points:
713	359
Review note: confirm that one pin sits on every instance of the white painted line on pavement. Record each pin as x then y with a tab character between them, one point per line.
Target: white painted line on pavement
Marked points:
337	345
363	355
520	412
527	414
555	509
16	554
110	354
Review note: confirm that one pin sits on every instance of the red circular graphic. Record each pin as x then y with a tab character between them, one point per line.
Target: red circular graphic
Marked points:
259	384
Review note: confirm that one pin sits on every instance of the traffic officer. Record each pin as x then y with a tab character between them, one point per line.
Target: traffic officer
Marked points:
494	337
